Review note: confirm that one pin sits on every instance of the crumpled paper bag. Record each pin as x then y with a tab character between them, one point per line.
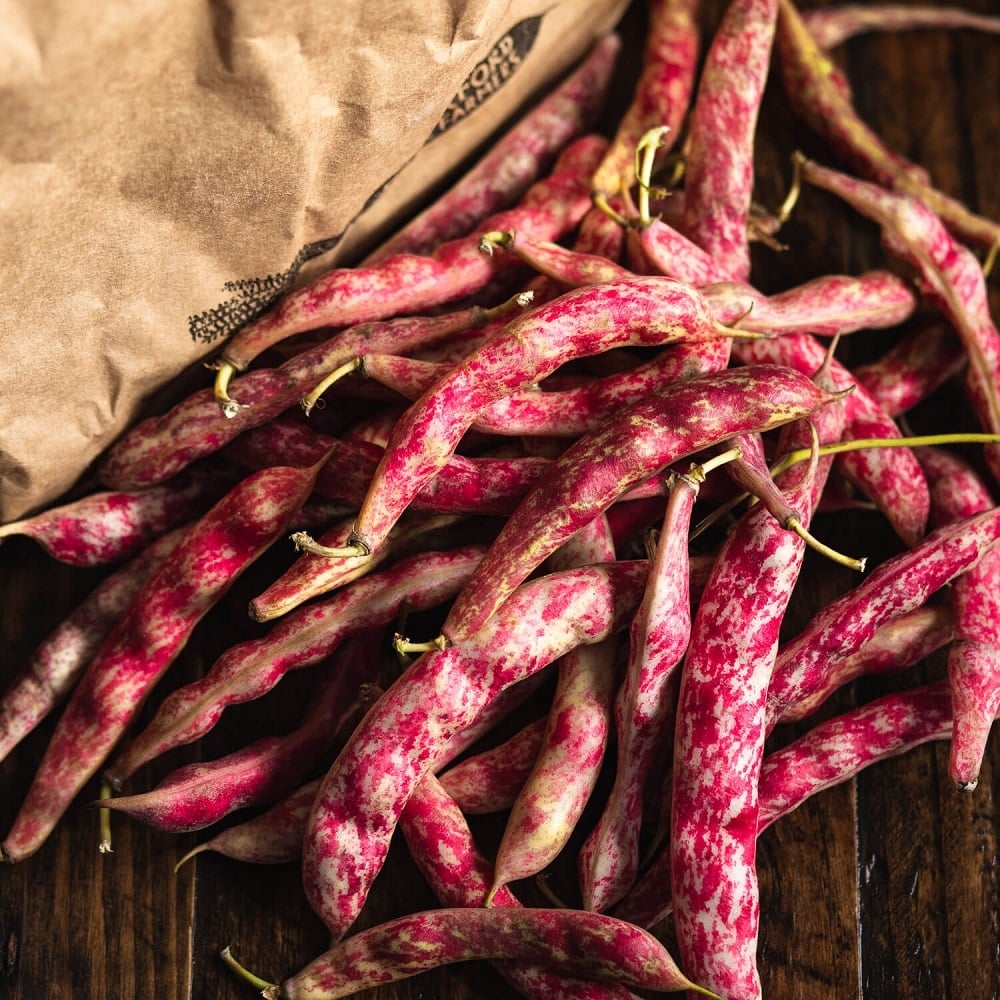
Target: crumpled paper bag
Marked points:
168	169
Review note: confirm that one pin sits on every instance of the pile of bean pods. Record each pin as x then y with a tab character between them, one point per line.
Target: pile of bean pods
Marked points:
555	443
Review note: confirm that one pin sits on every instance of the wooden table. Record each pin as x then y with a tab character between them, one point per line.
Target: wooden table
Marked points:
887	886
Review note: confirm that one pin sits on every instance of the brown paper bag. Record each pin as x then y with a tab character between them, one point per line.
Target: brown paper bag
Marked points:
169	169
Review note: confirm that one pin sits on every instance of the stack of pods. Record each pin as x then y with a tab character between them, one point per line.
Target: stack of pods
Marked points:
559	423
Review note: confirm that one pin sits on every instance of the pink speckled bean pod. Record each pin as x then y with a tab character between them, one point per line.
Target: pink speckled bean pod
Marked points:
668	251
899	585
608	861
567	766
632	312
489	781
313	575
110	526
414	283
569	942
513	161
597	234
636	442
832	752
836	749
957	492
275	836
719	171
913	368
720	728
54	667
819	94
833	26
478	485
439	695
662	93
197	795
157	448
272	838
250	669
890	477
147	639
951	278
566	266
897	645
829	305
443	848
544	411
552	795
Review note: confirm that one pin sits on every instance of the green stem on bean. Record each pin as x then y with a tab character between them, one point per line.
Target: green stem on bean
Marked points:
261	984
645	155
839	447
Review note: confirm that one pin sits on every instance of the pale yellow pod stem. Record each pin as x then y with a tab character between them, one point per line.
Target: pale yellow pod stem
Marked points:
645	154
341	371
602	204
839	447
104	822
793	524
911	441
402	645
991	258
224	371
261	984
304	542
785	208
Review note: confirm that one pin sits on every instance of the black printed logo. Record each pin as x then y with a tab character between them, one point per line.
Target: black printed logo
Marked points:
254	296
490	74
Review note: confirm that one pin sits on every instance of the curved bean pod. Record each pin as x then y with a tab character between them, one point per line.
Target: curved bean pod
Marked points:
900	585
250	669
897	645
56	664
637	311
440	694
719	169
157	448
974	659
658	637
720	729
567	765
443	848
272	838
197	795
147	639
835	25
109	526
555	412
829	305
571	942
662	93
636	442
951	278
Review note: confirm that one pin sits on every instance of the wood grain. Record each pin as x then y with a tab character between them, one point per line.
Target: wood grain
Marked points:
888	886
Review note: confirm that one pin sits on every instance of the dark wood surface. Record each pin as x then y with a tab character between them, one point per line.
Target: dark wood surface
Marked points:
888	886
